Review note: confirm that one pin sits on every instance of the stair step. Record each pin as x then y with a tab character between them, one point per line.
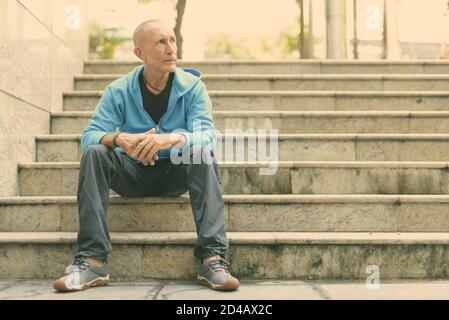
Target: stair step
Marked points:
313	177
243	213
253	255
284	67
297	82
297	121
323	219
298	100
293	147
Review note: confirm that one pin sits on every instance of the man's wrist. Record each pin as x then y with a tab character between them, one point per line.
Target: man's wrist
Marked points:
115	139
178	139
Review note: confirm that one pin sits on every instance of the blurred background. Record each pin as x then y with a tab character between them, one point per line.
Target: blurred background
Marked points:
278	29
44	44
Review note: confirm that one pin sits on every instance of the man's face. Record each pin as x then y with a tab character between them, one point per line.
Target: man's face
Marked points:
158	48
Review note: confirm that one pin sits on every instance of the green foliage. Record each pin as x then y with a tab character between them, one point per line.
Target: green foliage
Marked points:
288	38
103	41
284	45
224	46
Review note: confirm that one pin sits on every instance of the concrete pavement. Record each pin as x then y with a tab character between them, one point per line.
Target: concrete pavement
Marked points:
249	290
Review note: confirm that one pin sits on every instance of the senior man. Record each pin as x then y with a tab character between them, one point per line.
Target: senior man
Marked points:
141	119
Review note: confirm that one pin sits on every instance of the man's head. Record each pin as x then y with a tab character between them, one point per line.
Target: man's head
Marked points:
155	45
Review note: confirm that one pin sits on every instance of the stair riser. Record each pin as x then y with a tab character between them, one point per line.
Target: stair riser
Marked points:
248	261
298	124
306	103
240	180
275	68
298	84
239	217
294	150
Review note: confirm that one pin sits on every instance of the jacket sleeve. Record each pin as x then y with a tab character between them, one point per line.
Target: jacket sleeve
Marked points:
199	121
107	117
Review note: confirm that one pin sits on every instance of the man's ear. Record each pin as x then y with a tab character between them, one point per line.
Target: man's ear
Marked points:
138	53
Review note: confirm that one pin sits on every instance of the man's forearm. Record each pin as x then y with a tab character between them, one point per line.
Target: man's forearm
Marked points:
177	139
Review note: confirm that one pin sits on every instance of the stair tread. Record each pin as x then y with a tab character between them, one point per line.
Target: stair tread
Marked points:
289	136
288	164
312	76
260	198
288	93
280	62
240	237
289	113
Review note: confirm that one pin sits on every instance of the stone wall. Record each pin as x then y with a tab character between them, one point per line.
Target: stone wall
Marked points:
42	45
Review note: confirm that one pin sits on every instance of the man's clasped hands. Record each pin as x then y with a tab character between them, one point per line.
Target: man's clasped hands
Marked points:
144	146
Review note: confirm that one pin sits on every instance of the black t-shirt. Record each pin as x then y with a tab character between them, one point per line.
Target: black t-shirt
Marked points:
155	104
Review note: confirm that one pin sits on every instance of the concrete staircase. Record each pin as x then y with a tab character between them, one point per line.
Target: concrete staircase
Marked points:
362	178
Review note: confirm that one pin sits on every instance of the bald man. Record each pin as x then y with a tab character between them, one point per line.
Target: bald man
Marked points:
144	123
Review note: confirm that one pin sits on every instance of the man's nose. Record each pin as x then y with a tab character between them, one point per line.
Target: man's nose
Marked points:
171	48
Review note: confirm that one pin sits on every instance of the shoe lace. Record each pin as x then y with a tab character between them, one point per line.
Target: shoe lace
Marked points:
80	264
219	265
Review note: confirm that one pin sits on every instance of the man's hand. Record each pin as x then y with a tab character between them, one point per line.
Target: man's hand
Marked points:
128	141
146	149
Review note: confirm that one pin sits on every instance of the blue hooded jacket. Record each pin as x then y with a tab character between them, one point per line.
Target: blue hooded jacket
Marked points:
188	112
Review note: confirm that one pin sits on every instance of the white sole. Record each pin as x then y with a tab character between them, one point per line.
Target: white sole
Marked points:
98	282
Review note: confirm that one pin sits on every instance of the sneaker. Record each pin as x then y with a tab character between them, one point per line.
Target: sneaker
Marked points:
82	275
217	276
74	266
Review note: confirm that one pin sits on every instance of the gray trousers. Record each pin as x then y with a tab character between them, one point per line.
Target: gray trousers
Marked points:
103	169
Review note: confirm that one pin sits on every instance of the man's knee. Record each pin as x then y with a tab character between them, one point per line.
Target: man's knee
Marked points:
202	155
198	155
202	162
